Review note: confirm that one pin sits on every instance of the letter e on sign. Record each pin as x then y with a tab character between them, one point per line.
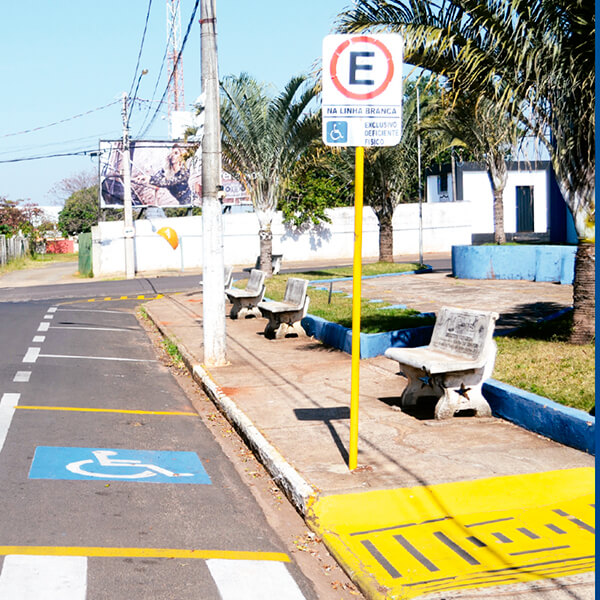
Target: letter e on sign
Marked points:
362	77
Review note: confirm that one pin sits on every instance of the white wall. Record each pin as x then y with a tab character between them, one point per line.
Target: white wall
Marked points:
478	192
444	224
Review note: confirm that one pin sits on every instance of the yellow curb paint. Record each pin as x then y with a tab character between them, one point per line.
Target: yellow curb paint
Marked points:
109	410
124	298
141	553
92	300
408	542
142	297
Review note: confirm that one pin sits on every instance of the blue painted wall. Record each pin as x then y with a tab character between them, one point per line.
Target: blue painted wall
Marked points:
531	263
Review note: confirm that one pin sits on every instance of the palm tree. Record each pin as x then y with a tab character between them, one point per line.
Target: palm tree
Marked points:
536	59
262	139
489	134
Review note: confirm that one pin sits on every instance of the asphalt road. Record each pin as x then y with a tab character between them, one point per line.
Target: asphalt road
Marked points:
101	502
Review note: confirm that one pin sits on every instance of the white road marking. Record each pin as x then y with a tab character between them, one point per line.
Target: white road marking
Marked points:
52	309
38	339
90	328
22	377
43	327
47	577
48	316
92	357
258	580
31	355
112	312
7	410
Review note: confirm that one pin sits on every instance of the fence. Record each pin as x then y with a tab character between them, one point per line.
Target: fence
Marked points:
12	247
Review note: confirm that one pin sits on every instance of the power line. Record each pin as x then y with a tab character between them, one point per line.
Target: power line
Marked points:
137	65
187	33
75	153
59	122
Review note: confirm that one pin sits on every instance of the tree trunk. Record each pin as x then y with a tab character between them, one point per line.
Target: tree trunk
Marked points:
584	294
499	234
266	250
386	239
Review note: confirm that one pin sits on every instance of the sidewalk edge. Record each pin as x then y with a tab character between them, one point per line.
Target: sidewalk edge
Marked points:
297	489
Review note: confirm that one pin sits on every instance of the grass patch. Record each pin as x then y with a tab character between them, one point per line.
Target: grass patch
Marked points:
339	311
36	262
539	359
172	350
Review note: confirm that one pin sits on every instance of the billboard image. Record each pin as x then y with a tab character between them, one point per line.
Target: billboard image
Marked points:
163	173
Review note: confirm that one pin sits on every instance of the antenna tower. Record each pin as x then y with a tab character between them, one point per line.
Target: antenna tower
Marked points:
175	99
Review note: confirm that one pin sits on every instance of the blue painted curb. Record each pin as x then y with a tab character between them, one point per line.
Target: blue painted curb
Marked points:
562	424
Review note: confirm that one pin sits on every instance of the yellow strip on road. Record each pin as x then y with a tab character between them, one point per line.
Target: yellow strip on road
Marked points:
109	410
403	543
91	551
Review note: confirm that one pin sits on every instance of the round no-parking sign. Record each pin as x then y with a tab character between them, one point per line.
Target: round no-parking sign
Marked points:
362	90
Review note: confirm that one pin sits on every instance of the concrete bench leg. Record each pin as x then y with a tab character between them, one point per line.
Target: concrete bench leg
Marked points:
277	329
420	384
462	391
241	309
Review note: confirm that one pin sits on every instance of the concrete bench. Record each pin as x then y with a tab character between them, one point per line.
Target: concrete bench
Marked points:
227	277
284	317
244	301
275	263
459	358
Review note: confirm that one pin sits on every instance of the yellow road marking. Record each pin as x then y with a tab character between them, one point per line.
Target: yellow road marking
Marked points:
455	536
111	299
92	551
109	410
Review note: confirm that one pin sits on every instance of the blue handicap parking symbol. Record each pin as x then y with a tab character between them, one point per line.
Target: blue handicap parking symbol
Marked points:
337	132
152	466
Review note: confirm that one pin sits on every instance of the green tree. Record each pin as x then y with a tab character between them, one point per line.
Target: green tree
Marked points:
263	137
80	212
535	58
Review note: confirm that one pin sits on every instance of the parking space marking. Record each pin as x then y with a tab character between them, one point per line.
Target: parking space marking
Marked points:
31	355
455	536
77	327
48	577
38	339
87	357
43	327
94	310
7	409
52	309
112	464
258	580
22	377
110	410
110	552
49	317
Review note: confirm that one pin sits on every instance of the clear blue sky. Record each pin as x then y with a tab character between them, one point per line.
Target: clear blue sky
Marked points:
66	57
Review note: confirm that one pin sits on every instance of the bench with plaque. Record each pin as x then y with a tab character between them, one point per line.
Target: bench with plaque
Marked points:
459	358
284	317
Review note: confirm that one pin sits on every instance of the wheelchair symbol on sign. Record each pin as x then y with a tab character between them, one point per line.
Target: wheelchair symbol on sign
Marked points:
337	132
103	458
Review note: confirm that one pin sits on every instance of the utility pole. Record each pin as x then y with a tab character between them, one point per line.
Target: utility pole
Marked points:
128	229
213	317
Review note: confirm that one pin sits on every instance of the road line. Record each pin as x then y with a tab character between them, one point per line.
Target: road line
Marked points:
108	552
52	309
7	409
258	580
89	357
48	577
31	355
43	327
49	317
22	377
91	328
92	310
110	410
38	339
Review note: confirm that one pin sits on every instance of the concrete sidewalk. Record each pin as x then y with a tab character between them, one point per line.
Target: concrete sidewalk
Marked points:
402	524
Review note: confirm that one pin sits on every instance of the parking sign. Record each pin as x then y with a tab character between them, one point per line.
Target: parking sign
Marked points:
362	90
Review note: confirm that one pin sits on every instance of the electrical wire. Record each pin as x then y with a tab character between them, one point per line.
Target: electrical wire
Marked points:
74	153
187	33
137	65
61	121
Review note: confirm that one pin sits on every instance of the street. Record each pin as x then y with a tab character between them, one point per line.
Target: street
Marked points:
112	486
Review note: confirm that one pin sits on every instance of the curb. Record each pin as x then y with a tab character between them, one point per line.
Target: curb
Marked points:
300	493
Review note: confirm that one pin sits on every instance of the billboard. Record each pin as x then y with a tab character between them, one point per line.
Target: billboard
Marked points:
163	173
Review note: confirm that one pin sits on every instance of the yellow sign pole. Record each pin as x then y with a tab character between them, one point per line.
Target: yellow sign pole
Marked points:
356	295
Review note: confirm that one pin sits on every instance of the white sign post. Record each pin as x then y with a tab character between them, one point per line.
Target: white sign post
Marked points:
362	107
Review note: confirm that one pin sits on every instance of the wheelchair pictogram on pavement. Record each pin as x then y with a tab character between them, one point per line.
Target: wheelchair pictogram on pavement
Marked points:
150	466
